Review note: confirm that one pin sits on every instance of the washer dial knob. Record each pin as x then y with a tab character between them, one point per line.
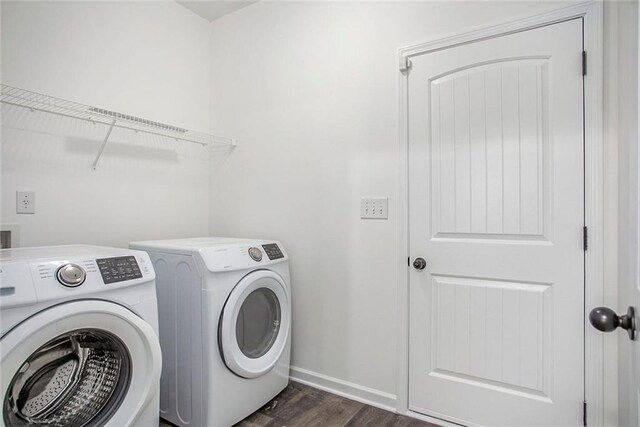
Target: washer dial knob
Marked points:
71	275
255	254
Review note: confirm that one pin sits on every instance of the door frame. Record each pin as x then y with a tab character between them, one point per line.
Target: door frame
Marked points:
592	14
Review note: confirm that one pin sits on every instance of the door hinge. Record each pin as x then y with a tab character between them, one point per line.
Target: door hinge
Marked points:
585	238
584	413
584	63
405	64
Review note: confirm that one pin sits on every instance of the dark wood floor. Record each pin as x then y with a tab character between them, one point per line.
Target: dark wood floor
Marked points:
301	405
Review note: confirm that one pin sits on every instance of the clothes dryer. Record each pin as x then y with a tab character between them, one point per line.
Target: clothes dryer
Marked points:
225	320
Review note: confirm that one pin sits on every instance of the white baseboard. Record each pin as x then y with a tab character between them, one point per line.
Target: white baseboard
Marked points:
352	391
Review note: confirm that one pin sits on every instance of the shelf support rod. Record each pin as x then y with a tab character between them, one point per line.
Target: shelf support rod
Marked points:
104	143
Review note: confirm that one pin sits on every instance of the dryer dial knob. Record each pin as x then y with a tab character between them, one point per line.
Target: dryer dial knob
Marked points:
255	254
71	275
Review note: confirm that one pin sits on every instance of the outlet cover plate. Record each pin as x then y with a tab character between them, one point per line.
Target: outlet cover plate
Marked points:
374	208
25	202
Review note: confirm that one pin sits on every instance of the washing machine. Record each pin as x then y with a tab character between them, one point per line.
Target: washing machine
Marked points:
79	342
225	319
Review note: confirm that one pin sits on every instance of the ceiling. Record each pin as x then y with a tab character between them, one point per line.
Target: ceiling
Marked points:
214	9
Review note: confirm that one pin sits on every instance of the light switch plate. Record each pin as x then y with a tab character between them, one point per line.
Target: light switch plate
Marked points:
374	208
25	202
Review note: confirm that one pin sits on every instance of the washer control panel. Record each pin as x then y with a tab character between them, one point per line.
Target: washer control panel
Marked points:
54	274
71	275
273	251
32	275
118	269
88	274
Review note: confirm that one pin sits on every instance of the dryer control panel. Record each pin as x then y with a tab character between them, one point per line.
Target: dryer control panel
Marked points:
240	256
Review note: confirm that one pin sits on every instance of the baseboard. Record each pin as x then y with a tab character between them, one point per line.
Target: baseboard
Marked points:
346	389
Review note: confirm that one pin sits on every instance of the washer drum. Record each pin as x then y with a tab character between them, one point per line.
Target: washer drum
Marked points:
78	378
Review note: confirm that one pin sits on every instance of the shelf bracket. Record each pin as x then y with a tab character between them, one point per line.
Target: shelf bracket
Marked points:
104	143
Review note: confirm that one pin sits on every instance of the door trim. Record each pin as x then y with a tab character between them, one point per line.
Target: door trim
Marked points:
592	14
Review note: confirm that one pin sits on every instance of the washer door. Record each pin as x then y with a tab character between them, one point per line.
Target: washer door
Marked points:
254	324
76	364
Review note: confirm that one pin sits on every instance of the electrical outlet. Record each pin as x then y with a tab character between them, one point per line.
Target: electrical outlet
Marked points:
374	208
25	202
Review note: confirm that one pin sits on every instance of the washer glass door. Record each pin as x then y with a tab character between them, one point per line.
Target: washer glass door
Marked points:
82	363
254	324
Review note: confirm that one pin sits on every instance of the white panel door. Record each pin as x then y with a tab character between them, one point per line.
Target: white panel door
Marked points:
497	210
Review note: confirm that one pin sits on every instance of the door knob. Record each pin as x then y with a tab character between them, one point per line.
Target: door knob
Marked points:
419	263
606	320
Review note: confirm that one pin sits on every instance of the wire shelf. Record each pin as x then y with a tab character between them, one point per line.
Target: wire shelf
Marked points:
34	101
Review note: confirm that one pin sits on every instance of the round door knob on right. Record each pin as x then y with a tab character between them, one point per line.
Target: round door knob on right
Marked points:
606	320
419	263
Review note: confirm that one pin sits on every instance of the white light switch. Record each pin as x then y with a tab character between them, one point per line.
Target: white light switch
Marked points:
25	202
374	208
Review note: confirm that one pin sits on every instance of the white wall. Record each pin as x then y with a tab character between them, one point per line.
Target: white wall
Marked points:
311	91
149	59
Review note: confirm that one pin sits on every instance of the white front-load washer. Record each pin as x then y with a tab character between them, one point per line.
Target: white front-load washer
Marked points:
225	320
79	344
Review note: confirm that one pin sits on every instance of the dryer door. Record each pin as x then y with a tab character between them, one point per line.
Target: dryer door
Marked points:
80	363
254	324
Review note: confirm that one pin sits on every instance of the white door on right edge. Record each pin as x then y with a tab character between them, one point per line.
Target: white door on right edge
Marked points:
496	186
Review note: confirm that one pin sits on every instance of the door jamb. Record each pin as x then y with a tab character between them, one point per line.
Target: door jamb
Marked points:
592	14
